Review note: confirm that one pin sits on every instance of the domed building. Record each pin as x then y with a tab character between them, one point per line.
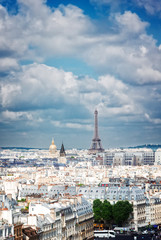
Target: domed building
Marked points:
52	148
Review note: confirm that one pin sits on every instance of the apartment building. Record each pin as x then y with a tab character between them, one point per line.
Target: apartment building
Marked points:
69	218
113	194
6	230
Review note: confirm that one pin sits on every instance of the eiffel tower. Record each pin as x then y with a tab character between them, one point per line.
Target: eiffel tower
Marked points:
96	145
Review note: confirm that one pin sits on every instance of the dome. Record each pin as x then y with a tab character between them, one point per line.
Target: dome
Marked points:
52	147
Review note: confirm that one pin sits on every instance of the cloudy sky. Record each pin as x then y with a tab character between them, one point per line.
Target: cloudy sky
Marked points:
60	60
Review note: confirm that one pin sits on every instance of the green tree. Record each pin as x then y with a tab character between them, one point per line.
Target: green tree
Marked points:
107	215
97	203
121	212
102	212
97	210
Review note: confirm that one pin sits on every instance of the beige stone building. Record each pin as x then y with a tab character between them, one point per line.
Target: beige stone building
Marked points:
70	217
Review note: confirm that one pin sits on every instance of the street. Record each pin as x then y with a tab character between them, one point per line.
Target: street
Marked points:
128	237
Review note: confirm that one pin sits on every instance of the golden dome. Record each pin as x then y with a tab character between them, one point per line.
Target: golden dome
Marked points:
52	147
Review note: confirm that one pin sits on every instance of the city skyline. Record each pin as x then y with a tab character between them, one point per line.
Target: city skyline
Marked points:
61	60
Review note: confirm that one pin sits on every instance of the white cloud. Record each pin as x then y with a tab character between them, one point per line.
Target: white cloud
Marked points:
39	86
40	83
153	120
8	64
61	32
119	98
131	22
143	50
60	124
9	93
16	116
38	32
148	75
114	4
151	6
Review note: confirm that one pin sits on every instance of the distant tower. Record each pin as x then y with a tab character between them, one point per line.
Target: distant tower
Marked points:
62	158
96	145
62	151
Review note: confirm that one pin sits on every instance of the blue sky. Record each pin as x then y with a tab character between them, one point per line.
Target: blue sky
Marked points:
60	60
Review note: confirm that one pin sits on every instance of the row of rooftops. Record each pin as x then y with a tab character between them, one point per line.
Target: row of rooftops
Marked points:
86	191
64	206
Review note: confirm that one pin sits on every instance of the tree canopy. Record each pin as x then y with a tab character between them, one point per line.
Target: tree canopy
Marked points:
97	210
107	213
121	212
102	211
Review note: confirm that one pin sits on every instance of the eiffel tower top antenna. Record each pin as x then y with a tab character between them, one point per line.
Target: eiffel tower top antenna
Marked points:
96	124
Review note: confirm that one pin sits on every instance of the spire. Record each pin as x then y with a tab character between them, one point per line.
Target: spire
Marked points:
62	151
96	125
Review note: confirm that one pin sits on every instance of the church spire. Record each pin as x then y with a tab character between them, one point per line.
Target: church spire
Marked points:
62	151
